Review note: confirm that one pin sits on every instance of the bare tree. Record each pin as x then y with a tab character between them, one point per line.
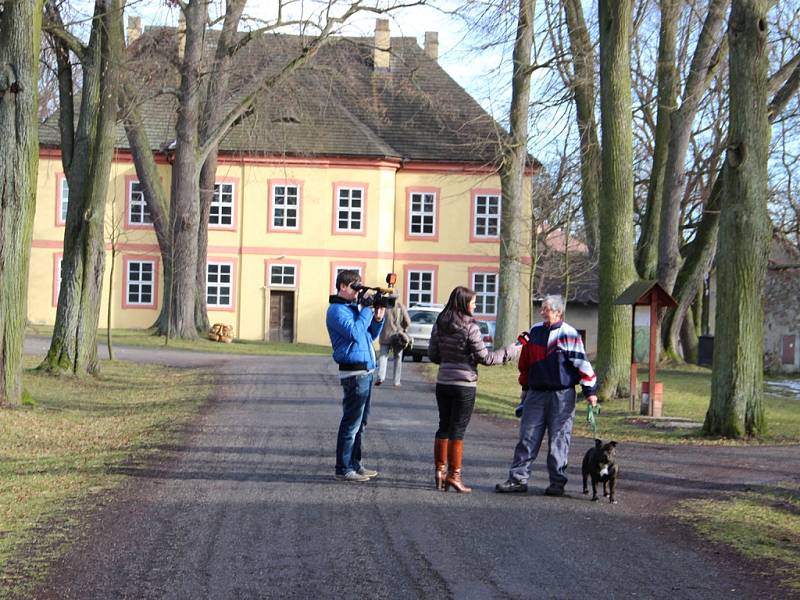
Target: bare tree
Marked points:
20	26
512	179
582	85
86	153
647	253
616	199
736	392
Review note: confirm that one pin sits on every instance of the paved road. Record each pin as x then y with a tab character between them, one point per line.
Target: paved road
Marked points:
248	507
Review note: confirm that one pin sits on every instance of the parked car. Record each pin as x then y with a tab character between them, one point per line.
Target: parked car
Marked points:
487	331
423	318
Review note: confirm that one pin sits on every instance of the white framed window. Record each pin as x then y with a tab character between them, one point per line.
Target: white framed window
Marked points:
422	213
350	209
63	200
282	275
140	288
487	215
138	211
359	268
219	284
485	286
420	287
221	214
285	206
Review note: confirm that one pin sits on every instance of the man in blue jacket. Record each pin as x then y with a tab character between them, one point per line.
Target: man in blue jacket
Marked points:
353	329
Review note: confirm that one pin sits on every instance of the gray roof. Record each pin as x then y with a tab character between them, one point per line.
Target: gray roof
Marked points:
336	105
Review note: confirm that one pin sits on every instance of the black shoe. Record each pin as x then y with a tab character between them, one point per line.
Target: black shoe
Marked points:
554	490
511	486
380	381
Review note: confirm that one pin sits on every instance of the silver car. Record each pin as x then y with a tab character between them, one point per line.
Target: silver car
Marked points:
422	321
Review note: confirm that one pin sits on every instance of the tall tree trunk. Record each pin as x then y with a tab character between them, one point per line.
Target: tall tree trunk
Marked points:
704	61
688	334
737	379
73	347
152	189
213	113
208	176
616	199
513	245
584	92
647	250
185	193
20	27
695	267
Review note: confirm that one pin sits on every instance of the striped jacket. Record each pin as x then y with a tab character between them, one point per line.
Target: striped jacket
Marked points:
554	359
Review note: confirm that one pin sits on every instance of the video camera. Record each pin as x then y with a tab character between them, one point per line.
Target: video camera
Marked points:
381	297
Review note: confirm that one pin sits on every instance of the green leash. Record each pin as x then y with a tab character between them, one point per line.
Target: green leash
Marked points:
592	413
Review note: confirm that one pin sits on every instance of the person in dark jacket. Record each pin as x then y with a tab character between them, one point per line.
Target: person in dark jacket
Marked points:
353	329
552	363
457	346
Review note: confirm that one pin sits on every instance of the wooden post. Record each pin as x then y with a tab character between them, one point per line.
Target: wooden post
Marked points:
634	366
653	334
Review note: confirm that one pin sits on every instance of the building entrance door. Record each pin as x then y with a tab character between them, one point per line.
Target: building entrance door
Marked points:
281	316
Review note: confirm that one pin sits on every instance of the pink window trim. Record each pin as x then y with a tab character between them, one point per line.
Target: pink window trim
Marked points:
438	200
472	205
407	268
56	285
224	260
143	258
337	185
234	226
59	178
349	264
268	263
474	270
271	183
129	180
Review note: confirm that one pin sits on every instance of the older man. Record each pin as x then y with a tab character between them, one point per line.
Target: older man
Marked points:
551	365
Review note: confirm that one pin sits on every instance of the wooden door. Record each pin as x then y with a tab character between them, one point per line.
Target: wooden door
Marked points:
788	349
281	316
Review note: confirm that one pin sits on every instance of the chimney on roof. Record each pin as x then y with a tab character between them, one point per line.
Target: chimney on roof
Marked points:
432	45
383	44
134	29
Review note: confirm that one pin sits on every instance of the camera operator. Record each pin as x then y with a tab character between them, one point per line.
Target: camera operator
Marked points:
353	329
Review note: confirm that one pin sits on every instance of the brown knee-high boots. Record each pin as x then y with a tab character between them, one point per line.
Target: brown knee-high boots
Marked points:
440	460
455	451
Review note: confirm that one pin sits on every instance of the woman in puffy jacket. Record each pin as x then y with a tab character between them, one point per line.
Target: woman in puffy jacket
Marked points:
457	347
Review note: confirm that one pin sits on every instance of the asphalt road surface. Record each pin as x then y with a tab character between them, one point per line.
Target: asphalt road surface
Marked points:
246	506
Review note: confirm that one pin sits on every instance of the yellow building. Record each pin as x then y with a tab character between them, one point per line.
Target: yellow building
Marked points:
298	198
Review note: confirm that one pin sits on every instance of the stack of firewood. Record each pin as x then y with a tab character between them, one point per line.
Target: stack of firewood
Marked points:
221	333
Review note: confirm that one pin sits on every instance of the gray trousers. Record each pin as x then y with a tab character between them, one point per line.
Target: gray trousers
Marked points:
556	412
383	358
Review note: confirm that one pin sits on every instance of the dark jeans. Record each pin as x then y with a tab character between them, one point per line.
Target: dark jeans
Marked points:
455	410
355	411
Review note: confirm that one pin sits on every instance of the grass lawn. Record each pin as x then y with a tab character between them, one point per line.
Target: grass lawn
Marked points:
686	395
57	454
764	525
144	338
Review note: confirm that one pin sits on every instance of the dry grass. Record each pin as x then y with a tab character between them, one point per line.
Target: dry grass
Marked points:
762	525
59	453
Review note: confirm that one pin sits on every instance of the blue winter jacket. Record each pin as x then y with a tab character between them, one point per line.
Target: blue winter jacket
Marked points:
352	333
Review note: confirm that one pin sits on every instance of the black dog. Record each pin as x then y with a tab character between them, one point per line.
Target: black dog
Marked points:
600	465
